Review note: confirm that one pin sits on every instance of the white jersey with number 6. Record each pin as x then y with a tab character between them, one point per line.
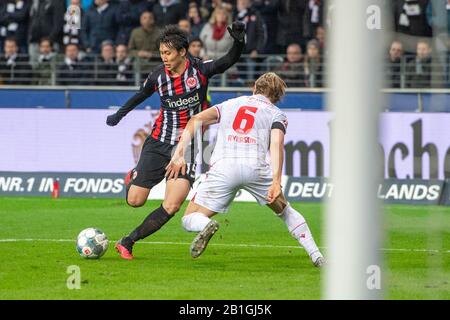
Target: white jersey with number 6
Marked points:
239	160
244	129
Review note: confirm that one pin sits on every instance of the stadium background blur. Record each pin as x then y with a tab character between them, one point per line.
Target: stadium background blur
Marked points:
115	44
58	83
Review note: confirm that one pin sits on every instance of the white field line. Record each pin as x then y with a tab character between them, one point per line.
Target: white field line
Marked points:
224	245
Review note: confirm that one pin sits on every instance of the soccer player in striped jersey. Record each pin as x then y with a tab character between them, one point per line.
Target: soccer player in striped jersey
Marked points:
249	126
182	83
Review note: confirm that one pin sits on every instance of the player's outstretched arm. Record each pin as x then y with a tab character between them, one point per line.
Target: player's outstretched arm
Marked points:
144	92
177	163
134	101
237	31
276	161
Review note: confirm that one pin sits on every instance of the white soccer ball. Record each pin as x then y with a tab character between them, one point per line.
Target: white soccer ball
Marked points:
92	243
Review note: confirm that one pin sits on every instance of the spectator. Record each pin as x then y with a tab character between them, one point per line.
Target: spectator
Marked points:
196	20
313	17
313	66
185	25
420	72
106	66
14	68
268	10
71	32
128	18
143	40
196	48
14	16
394	65
290	23
255	34
438	17
73	71
168	12
46	62
216	40
124	74
99	24
292	70
410	17
46	20
320	37
143	43
212	5
255	27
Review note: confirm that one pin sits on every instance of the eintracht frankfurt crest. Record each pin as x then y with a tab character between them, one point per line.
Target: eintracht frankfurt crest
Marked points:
191	82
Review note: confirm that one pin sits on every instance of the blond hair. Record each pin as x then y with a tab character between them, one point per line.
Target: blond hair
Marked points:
213	18
271	86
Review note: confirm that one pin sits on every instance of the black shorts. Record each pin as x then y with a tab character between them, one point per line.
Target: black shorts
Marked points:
151	168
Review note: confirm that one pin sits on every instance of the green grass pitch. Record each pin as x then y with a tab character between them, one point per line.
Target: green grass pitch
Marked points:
251	257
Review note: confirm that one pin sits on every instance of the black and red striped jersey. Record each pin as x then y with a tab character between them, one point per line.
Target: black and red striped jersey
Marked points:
183	96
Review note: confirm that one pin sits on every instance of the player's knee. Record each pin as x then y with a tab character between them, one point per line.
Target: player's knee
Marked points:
135	202
171	207
186	222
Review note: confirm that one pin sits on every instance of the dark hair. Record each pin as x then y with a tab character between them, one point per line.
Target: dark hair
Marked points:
11	39
71	44
147	11
196	39
107	43
46	39
174	37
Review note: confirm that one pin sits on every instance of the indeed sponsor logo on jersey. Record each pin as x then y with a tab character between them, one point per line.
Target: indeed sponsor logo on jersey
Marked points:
238	139
183	102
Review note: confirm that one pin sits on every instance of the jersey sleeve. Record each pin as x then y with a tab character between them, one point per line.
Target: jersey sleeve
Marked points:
212	67
147	88
150	84
280	121
219	108
224	107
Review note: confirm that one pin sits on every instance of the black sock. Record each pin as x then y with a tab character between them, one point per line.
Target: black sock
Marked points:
151	224
127	243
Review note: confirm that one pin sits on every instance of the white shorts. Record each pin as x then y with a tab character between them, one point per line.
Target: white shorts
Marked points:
226	177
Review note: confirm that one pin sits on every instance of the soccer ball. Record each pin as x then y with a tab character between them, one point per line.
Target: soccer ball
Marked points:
92	243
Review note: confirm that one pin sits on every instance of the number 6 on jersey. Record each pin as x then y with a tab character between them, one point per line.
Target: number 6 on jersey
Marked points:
246	114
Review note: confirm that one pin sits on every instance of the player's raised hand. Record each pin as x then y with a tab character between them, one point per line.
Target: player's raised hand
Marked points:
237	31
174	167
274	192
113	119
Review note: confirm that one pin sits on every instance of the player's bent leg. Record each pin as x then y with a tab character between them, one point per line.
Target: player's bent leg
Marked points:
137	196
197	219
213	195
176	192
298	228
175	195
202	239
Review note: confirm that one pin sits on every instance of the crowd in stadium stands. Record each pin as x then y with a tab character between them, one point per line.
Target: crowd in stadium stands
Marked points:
116	43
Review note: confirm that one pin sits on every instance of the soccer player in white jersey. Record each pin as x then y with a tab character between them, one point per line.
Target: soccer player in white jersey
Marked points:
249	126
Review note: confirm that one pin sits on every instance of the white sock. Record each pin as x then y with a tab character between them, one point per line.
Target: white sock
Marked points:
299	229
195	222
